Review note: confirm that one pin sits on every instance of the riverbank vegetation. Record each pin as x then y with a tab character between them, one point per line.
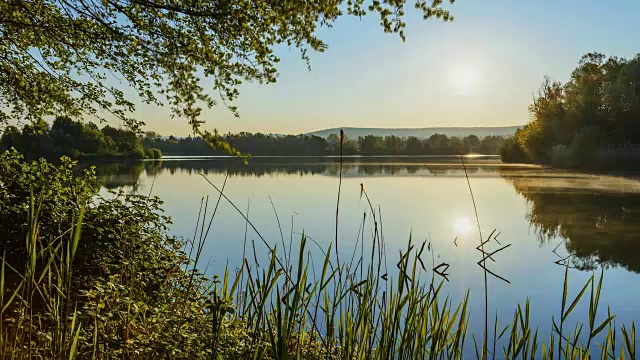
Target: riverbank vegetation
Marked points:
90	276
590	121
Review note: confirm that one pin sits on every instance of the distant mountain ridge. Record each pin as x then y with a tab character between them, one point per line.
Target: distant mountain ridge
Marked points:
354	132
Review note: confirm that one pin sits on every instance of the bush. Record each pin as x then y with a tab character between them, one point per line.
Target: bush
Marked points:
58	193
153	153
101	279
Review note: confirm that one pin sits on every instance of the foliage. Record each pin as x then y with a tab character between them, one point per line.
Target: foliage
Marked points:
512	151
74	139
310	145
108	222
153	153
600	104
127	141
491	144
59	193
584	143
61	57
561	155
101	277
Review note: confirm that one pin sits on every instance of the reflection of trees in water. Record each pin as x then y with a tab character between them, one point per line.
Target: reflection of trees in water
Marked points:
599	228
113	175
352	167
128	174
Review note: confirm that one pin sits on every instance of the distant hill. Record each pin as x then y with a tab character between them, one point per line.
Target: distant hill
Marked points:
480	132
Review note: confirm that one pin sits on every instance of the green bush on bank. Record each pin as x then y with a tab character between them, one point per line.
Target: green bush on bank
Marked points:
153	153
125	285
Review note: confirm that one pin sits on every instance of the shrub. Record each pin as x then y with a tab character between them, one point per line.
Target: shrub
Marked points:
99	277
153	153
57	189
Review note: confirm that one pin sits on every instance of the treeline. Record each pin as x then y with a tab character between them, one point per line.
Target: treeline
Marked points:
263	144
598	108
77	140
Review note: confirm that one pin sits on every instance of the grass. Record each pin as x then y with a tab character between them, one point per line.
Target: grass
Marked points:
289	306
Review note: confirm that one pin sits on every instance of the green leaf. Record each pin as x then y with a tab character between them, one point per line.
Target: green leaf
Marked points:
597	331
576	300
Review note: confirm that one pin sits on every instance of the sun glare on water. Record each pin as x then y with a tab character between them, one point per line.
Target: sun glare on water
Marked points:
463	226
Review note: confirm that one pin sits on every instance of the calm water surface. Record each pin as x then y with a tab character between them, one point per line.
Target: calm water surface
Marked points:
546	215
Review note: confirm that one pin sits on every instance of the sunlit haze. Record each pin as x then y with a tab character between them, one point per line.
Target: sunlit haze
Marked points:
465	78
480	70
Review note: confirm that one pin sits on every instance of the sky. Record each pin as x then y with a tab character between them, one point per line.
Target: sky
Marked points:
482	69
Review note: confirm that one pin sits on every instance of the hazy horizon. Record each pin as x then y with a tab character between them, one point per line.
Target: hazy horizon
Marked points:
481	70
313	131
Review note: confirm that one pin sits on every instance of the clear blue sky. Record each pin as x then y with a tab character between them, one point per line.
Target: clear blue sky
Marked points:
480	70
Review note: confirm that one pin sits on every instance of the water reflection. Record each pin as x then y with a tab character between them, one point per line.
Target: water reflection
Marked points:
598	227
596	217
116	175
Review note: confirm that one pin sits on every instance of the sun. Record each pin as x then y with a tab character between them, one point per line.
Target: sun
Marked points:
464	78
463	226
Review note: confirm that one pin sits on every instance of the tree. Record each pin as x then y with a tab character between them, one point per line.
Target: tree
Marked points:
472	142
625	95
73	138
333	144
58	56
458	146
414	146
126	141
153	153
349	146
599	105
371	145
491	144
34	139
441	144
151	138
394	145
10	138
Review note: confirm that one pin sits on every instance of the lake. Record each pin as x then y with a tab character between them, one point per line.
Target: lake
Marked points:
546	216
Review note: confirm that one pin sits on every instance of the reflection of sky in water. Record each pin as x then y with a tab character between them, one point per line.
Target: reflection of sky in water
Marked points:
532	208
